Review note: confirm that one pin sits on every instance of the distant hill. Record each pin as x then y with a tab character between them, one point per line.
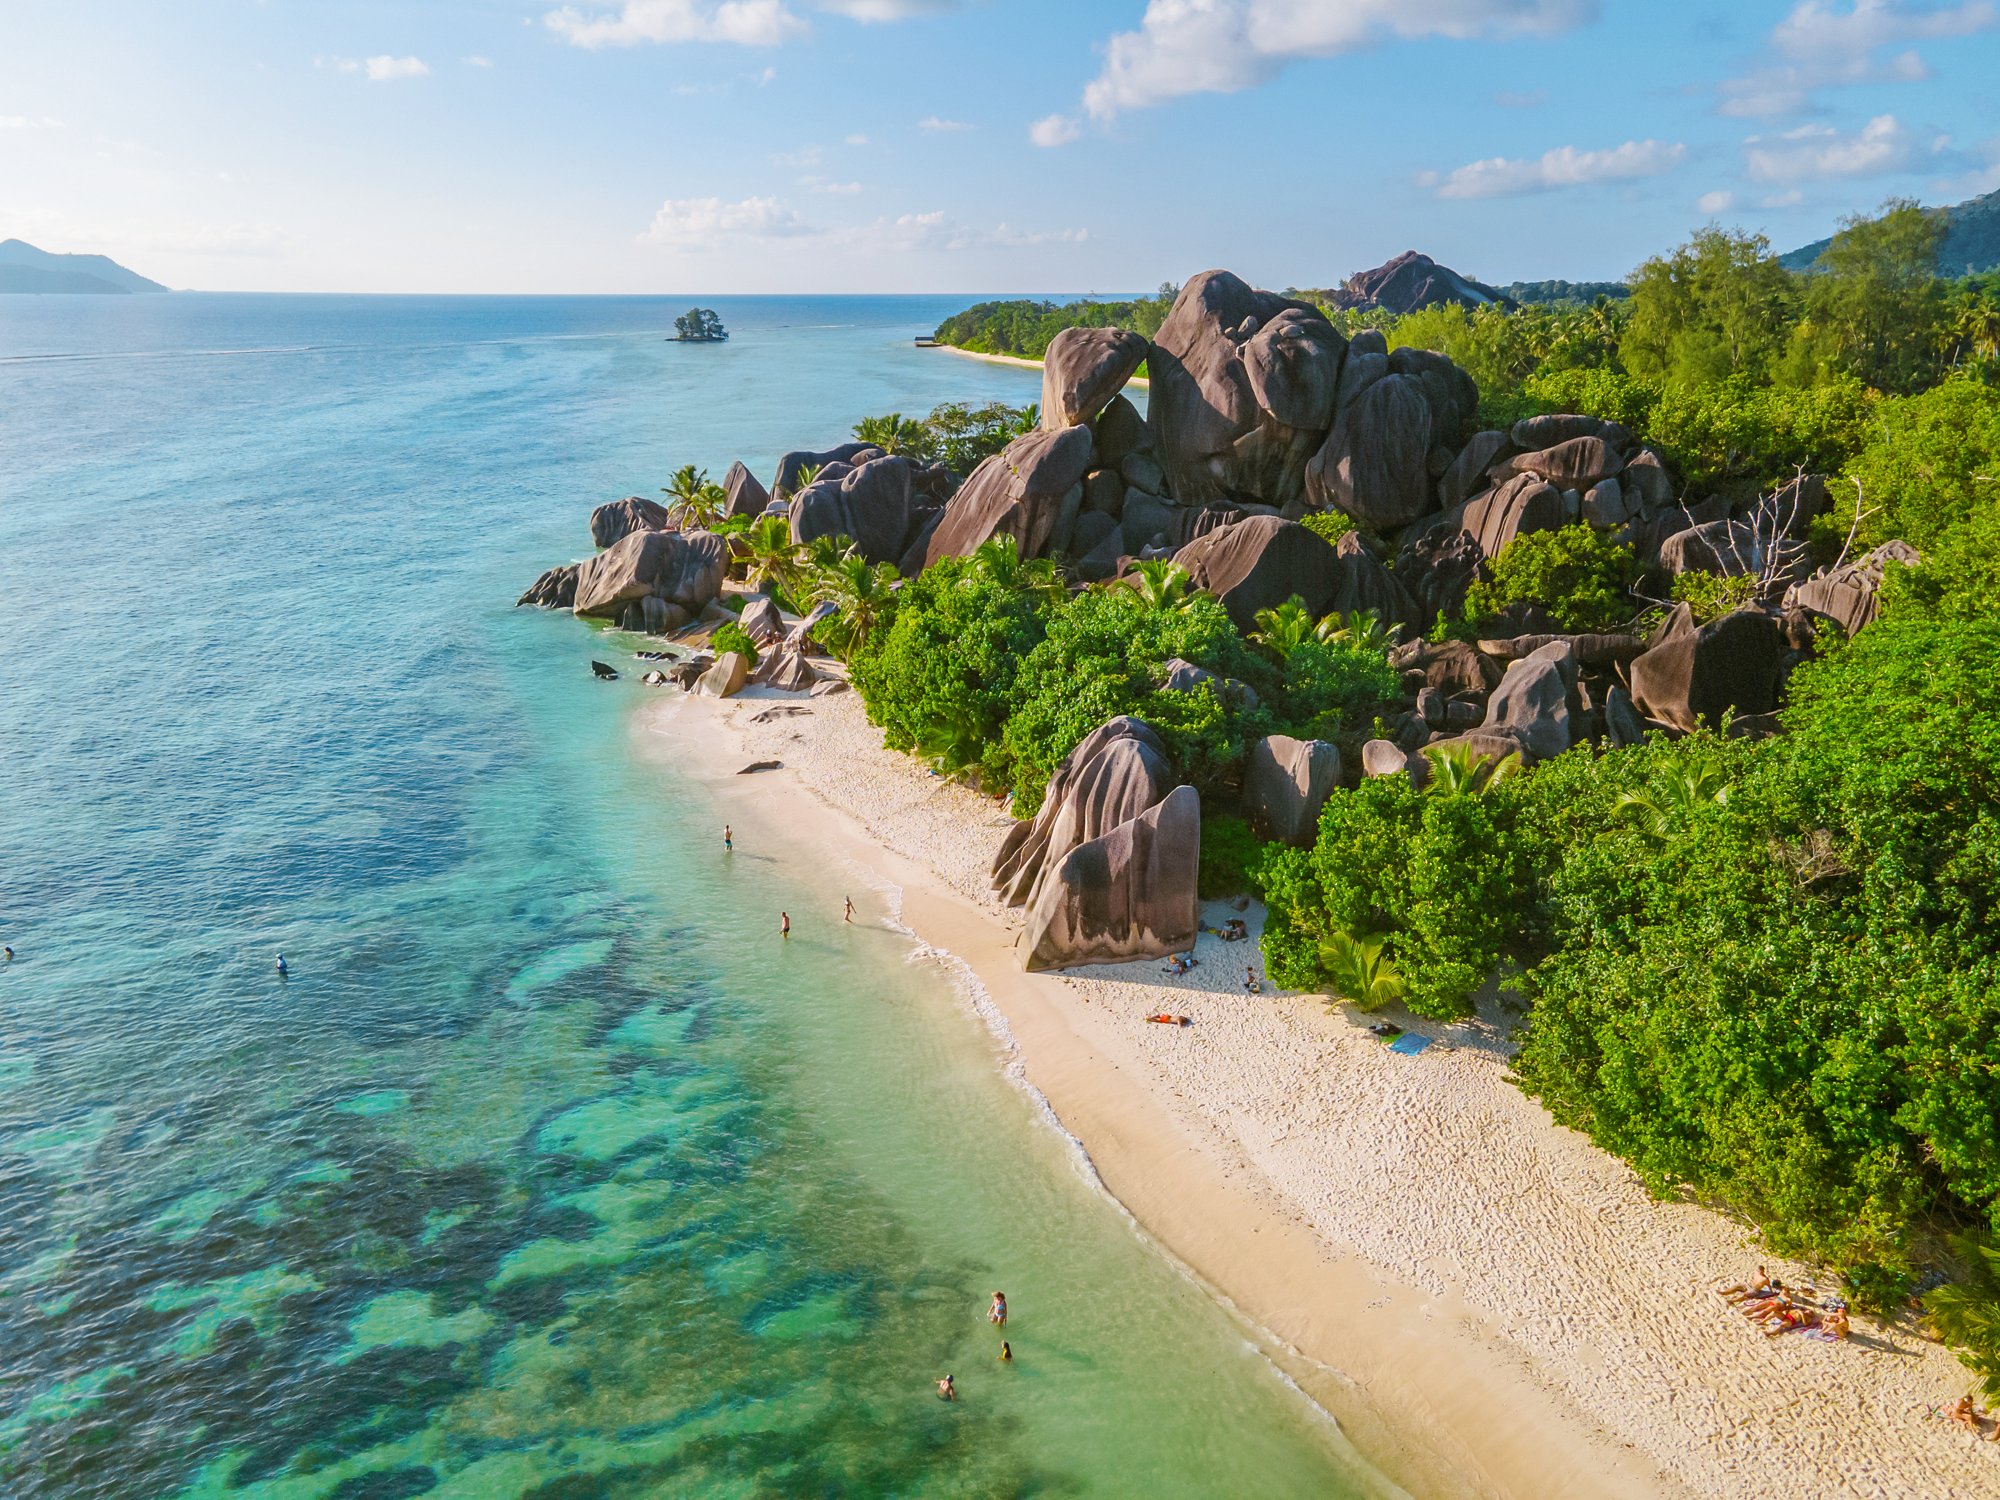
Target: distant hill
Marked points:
1413	281
1971	239
23	268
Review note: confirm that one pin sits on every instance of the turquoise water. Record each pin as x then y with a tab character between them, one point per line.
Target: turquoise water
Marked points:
536	1177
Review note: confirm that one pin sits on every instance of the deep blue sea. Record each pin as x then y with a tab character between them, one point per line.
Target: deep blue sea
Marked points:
537	1176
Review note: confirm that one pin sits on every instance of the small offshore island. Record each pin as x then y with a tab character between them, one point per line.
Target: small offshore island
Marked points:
1603	696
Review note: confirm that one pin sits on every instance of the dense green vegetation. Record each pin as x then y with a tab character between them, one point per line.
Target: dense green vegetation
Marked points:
1766	973
954	434
1023	328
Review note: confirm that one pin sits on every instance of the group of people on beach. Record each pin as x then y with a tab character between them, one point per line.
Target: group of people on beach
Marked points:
996	1314
784	917
1776	1308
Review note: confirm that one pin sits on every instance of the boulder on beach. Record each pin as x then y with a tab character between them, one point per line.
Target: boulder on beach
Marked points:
726	678
1285	784
1112	775
1032	490
615	520
1083	369
1242	388
785	667
681	567
761	620
869	505
1127	894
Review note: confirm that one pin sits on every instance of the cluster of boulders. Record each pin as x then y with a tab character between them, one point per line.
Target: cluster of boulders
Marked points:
1260	415
1411	281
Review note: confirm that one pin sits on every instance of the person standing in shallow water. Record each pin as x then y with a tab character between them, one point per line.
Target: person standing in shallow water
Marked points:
728	840
848	915
947	1390
784	924
997	1313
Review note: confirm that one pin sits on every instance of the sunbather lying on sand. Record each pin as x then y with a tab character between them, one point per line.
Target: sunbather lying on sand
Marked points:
1744	1289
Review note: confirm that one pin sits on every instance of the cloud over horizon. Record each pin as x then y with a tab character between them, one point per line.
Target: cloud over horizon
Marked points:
747	23
1563	167
702	223
1820	153
1820	45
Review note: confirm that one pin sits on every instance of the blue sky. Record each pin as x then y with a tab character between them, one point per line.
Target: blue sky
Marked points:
953	145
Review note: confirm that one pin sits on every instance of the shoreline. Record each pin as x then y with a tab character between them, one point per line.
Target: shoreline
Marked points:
1486	1303
1016	360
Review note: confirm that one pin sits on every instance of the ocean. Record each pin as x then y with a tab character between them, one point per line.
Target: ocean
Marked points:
545	1172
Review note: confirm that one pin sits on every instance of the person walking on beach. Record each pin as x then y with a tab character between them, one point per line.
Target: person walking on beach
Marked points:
848	915
997	1313
728	840
947	1391
784	924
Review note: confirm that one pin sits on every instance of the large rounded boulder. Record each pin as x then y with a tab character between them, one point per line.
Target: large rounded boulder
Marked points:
682	567
1113	774
869	505
1083	369
1032	490
1129	894
1242	388
1397	427
617	519
1689	674
1259	563
1286	782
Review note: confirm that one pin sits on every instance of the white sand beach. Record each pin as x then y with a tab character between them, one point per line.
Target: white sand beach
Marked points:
1013	359
1488	1304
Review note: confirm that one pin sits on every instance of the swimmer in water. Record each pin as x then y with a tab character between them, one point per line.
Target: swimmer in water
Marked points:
283	967
946	1390
1006	1353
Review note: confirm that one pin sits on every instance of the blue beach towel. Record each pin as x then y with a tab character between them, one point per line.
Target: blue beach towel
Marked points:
1409	1044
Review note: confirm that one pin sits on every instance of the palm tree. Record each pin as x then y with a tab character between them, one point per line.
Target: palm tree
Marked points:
1284	629
698	502
1161	583
1363	628
1966	1313
1459	770
861	591
807	475
1667	805
897	433
771	555
998	559
1359	969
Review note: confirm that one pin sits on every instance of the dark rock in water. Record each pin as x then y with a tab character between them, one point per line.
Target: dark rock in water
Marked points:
1121	432
603	671
555	589
1128	894
1113	774
869	505
1689	673
1022	491
747	495
684	568
618	519
1412	281
685	674
1285	784
656	678
1847	595
1242	392
1261	562
793	463
1083	369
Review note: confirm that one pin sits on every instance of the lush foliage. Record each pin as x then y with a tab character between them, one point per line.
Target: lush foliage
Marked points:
1966	1314
699	325
1580	576
954	434
1024	328
1711	596
730	636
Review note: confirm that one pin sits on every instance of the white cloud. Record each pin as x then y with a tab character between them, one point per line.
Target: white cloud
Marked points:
1503	177
857	140
934	124
476	61
749	23
1220	46
701	223
1715	203
1823	44
938	231
388	69
29	122
1819	153
1054	130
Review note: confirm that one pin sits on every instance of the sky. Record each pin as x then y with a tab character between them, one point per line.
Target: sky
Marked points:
733	146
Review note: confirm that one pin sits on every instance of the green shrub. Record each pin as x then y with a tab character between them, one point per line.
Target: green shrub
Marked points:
1330	524
1578	576
1932	464
1228	851
1711	596
731	636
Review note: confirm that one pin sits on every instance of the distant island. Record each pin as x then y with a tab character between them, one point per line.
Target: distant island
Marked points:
699	325
1970	243
23	268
